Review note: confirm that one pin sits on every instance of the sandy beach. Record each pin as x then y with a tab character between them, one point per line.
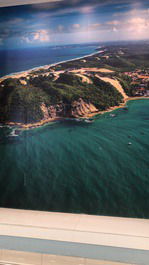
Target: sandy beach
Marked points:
24	74
33	125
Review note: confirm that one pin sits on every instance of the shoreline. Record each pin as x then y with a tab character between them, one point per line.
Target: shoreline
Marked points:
41	123
22	126
45	67
122	105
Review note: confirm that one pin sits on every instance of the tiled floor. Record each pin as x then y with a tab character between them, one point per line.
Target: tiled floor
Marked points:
8	257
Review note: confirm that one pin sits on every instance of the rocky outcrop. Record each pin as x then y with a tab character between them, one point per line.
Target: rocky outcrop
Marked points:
52	111
78	108
45	112
81	108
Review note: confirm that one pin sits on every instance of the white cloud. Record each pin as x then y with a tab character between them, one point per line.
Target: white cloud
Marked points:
76	26
40	36
133	24
139	21
114	22
86	9
115	29
137	27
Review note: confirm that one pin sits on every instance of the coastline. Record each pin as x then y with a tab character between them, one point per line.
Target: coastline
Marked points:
49	120
25	73
122	105
45	67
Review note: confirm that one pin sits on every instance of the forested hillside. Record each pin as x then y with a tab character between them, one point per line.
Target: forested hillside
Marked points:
22	103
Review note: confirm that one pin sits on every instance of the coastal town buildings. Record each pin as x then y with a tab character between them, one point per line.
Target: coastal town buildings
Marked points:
140	81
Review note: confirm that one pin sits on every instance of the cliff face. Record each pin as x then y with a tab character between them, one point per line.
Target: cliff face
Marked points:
77	109
52	111
77	95
81	108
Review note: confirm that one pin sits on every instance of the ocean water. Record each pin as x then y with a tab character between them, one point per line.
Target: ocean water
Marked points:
12	61
80	167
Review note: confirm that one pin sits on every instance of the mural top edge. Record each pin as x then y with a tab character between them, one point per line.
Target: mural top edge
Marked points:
5	3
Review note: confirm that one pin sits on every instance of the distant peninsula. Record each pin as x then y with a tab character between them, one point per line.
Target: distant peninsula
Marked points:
79	88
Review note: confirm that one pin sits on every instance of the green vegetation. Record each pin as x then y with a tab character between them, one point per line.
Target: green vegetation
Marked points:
22	103
121	58
125	82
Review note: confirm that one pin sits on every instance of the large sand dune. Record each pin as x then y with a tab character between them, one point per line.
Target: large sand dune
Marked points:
85	79
92	69
115	83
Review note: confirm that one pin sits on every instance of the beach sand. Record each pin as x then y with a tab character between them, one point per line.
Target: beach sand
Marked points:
100	70
33	125
85	79
114	83
45	67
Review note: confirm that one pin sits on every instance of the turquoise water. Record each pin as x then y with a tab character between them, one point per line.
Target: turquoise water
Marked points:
80	167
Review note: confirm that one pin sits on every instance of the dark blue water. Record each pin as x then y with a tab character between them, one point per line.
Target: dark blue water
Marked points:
12	61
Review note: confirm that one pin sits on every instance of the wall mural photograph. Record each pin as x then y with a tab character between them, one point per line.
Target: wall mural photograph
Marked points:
74	108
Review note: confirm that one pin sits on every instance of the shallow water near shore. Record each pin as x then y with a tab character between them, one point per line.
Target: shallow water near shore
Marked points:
96	168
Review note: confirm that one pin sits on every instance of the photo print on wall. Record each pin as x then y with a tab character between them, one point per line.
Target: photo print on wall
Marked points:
74	108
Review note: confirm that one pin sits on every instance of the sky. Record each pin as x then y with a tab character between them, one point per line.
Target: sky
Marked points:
64	22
